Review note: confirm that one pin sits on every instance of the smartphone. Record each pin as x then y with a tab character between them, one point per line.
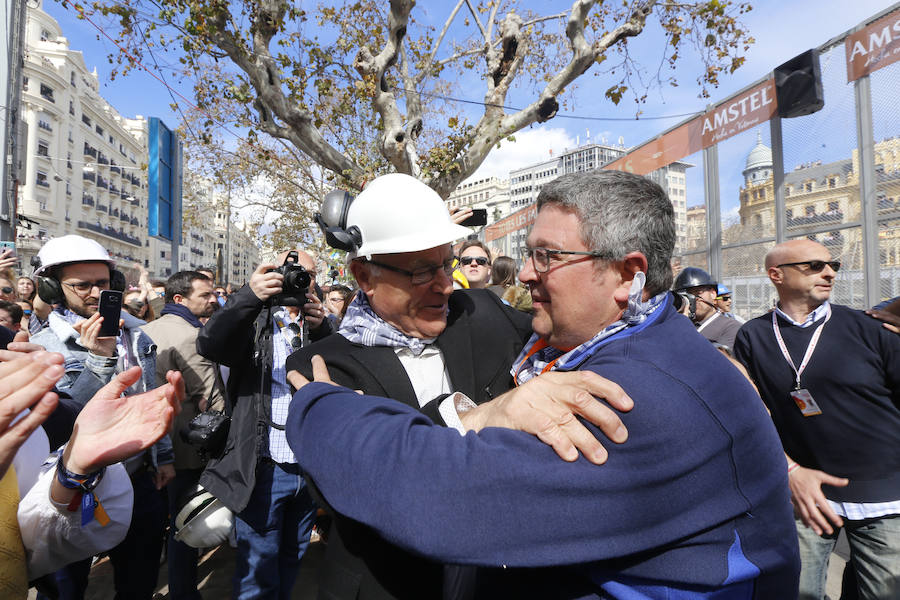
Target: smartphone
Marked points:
478	218
110	308
11	245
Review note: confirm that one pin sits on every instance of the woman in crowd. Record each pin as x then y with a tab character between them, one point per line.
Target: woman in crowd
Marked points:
503	283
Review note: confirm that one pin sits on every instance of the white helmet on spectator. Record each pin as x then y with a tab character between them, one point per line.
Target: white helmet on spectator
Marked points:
398	213
202	521
70	249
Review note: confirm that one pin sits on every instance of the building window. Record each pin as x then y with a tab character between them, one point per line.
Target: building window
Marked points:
85	119
72	107
810	211
43	148
832	182
808	186
762	193
832	206
42	179
47	93
789	213
25	84
72	78
45	35
99	130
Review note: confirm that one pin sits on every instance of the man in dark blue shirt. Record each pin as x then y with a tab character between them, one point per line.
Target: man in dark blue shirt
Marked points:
695	503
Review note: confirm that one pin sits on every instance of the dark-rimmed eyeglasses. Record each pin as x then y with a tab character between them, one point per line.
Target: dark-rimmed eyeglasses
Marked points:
541	257
482	261
85	287
419	276
725	298
814	265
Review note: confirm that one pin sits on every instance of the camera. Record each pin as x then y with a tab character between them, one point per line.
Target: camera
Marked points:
296	283
680	300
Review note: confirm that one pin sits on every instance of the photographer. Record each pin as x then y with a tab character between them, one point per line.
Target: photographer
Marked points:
256	475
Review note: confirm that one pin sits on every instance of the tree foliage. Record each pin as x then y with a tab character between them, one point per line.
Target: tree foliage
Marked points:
359	87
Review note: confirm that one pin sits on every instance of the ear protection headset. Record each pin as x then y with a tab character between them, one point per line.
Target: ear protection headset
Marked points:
50	290
332	221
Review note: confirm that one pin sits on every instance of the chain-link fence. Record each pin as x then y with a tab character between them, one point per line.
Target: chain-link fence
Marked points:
832	176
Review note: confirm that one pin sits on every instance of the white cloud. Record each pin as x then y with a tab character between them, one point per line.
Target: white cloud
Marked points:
530	146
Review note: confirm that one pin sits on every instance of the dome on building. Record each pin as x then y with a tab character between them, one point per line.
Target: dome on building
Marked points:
760	156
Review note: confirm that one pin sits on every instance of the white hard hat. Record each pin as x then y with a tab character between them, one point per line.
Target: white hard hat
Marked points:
71	249
398	213
203	521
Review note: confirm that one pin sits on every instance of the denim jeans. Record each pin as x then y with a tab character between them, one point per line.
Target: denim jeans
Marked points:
874	554
272	533
182	558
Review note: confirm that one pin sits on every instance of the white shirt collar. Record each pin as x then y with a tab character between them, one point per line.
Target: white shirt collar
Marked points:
811	318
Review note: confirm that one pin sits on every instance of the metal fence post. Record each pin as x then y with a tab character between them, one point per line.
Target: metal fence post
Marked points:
778	176
867	189
713	211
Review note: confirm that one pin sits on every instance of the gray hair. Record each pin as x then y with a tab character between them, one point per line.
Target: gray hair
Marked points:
620	213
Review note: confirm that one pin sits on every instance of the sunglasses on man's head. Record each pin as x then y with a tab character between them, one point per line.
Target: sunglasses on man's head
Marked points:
466	260
814	265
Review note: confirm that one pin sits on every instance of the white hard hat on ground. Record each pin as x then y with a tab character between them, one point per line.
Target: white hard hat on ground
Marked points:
398	213
202	521
71	249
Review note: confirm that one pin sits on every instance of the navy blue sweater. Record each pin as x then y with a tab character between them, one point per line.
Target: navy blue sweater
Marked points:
696	499
854	377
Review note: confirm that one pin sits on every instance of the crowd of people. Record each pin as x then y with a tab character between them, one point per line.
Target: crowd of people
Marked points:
451	424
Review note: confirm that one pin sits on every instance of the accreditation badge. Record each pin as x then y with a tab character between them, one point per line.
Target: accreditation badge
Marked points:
804	401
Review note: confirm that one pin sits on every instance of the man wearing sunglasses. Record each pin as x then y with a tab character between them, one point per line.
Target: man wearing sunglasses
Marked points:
830	376
475	264
694	504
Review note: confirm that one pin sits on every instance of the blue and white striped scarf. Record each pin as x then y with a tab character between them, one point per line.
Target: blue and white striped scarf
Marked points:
362	326
635	313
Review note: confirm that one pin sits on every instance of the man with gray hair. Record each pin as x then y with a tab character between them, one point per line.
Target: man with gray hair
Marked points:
694	504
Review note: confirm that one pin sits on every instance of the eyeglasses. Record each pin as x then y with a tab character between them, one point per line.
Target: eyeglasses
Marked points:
725	298
467	260
419	276
815	265
6	290
85	287
541	257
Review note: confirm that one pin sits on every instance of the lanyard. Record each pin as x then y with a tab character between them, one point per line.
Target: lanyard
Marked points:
809	349
538	346
708	321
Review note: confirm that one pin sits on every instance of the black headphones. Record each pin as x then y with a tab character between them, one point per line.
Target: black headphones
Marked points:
332	220
50	290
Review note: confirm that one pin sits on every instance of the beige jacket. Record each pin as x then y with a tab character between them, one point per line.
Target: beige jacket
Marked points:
176	350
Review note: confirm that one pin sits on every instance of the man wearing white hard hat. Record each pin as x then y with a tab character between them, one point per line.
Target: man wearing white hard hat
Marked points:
72	271
408	336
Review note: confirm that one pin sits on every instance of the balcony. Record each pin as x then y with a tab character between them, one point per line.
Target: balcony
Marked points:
45	126
102	208
114	212
135	202
123	195
90	150
102	182
88	176
832	216
110	232
113	189
114	169
102	159
125	218
43	183
87	200
134	221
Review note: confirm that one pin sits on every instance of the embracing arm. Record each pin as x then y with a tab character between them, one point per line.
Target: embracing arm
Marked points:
492	498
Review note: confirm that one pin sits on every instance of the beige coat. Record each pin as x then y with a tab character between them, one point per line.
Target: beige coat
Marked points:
176	350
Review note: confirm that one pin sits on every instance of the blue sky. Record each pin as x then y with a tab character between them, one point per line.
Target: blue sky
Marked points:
782	30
